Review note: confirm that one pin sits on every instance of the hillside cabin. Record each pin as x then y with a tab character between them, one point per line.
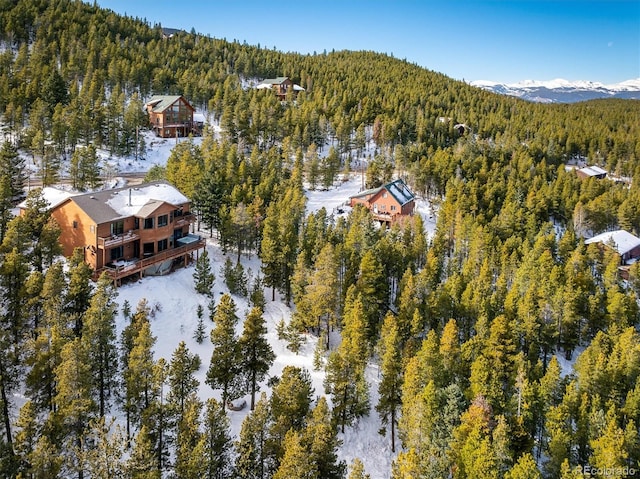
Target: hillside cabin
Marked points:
591	172
141	230
623	243
387	203
281	86
171	116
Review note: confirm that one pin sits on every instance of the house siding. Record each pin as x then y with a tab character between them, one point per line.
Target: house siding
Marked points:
384	206
174	120
79	235
103	243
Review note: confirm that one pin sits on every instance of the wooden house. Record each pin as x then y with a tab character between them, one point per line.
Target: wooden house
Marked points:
171	116
140	230
387	203
281	86
623	243
591	172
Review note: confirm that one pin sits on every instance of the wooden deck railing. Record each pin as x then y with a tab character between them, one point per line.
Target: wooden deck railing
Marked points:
119	272
116	240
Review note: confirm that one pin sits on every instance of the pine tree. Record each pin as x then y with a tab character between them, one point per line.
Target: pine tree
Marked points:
84	168
525	468
79	292
99	340
216	443
251	461
271	251
224	369
208	198
290	402
203	275
357	470
26	437
255	352
182	381
139	374
199	333
54	90
6	206
107	456
345	379
12	168
142	462
187	439
74	405
371	285
296	463
322	294
320	439
390	388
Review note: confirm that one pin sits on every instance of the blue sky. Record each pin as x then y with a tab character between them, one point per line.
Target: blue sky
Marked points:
500	40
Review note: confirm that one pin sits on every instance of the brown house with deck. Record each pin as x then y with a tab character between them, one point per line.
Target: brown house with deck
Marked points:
140	230
281	86
171	116
387	203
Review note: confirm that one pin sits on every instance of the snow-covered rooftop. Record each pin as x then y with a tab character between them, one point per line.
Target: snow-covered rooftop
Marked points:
53	197
129	201
623	240
593	171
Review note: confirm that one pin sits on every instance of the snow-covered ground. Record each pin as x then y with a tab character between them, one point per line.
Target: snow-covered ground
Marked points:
175	302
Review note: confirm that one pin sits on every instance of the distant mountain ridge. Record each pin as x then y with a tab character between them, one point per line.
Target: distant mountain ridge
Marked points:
563	91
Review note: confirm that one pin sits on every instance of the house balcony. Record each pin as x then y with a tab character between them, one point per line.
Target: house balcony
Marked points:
184	220
123	268
117	240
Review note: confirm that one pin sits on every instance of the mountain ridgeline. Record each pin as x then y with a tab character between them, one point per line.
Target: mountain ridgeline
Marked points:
472	326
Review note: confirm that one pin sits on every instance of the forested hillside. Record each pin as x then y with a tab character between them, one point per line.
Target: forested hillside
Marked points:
465	325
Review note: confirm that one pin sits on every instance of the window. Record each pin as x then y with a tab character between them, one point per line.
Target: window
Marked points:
75	224
148	223
393	207
92	228
162	245
163	220
117	227
117	253
384	195
147	249
383	207
136	223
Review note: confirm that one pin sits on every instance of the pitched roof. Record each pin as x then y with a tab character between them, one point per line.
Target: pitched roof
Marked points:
160	103
398	189
108	205
53	196
593	171
274	81
269	82
623	240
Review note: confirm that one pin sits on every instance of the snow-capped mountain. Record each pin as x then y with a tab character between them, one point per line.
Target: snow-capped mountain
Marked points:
563	91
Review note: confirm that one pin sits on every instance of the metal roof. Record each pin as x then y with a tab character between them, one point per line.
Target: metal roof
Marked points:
161	102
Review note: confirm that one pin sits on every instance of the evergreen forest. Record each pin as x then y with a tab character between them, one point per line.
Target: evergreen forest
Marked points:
466	325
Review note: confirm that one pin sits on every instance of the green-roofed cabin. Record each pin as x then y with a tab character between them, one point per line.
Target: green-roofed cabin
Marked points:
387	203
171	116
